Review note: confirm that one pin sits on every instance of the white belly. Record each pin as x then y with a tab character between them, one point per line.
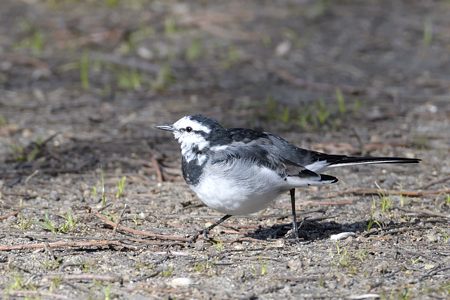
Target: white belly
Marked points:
238	190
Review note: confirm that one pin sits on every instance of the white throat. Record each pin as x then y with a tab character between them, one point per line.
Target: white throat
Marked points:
190	145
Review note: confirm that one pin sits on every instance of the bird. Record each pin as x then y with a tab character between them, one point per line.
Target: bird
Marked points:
240	171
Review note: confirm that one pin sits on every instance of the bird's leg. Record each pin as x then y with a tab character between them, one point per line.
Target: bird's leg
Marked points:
294	215
207	229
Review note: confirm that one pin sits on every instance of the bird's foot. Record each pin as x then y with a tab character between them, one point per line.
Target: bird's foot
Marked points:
292	235
206	230
195	237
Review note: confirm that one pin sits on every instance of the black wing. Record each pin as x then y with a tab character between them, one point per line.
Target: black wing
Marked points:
258	148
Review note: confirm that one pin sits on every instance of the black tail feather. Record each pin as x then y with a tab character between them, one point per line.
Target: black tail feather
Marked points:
331	179
353	160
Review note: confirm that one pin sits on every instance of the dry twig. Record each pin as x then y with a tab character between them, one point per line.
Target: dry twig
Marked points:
376	192
120	219
33	294
247	239
65	244
87	277
434	271
430	184
385	232
326	203
139	232
424	213
31	176
157	168
8	215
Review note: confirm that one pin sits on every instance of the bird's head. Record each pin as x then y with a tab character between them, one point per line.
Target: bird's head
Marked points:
195	133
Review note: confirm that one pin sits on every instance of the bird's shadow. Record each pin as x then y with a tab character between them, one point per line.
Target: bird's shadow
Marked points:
312	230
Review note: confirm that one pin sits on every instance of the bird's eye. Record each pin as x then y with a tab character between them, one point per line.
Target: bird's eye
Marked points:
188	129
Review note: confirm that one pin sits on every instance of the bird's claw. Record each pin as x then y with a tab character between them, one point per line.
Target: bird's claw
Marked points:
203	232
292	236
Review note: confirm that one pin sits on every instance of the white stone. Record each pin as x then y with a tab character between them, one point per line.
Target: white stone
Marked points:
283	48
181	281
341	236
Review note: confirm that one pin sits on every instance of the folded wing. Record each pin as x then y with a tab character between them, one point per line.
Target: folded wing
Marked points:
258	148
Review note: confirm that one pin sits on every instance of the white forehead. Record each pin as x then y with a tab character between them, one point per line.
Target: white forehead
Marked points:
195	125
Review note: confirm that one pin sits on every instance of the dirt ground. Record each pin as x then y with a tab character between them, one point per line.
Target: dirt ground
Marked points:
92	202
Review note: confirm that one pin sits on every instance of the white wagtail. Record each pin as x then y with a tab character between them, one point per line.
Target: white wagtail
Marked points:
239	171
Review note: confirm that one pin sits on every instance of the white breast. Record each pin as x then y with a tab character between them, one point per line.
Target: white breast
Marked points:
238	188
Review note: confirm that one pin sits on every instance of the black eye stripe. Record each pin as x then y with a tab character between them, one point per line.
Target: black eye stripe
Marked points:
190	129
202	133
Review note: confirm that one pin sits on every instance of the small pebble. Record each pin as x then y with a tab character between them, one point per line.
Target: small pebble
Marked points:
3	258
181	281
283	48
364	296
145	53
341	236
432	237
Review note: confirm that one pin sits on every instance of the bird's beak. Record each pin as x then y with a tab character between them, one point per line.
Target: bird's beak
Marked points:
166	127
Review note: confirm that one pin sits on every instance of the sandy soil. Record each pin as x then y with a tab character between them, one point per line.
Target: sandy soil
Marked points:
92	202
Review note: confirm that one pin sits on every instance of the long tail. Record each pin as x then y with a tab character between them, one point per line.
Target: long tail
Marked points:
321	161
339	161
